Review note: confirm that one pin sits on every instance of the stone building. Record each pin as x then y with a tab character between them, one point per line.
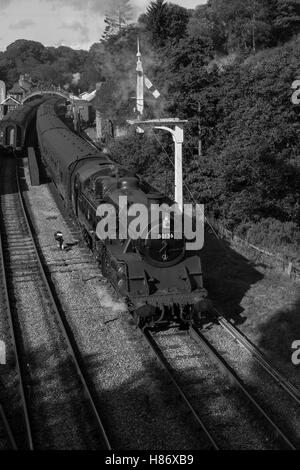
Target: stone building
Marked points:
8	105
15	95
85	110
23	86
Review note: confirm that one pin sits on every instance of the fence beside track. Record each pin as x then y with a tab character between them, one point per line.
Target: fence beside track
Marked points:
277	261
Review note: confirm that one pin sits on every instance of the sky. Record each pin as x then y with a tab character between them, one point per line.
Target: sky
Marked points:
74	23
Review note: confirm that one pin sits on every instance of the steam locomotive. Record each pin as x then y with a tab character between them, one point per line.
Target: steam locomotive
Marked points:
161	281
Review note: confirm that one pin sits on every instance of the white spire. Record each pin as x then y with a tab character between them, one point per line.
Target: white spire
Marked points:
138	47
139	82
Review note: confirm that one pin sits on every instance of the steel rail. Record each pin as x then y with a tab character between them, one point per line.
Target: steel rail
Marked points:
88	140
163	361
260	358
209	348
62	324
8	429
16	352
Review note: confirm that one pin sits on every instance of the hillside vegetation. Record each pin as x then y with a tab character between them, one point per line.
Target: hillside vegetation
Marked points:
227	67
236	83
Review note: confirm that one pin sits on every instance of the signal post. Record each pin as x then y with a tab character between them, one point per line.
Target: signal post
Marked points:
175	127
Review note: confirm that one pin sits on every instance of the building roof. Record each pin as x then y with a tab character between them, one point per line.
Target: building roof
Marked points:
10	100
88	96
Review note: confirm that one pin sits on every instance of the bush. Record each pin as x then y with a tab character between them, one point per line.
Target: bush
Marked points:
274	235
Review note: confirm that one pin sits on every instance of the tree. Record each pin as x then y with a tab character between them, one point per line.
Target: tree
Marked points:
246	23
185	73
115	61
207	27
164	21
155	20
56	65
285	15
117	17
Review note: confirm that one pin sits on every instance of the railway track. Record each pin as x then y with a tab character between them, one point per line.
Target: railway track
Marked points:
157	350
6	310
205	344
243	420
259	357
7	437
53	392
278	397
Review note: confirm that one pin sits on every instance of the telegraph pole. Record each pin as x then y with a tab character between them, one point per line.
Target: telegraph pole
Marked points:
139	83
175	127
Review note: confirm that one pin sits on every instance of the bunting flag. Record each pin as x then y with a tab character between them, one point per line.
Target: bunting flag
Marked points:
151	88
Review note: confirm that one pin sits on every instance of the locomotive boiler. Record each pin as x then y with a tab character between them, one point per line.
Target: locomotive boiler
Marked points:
161	281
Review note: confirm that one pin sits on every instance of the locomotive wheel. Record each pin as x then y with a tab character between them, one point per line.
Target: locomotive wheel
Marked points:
203	311
147	317
138	320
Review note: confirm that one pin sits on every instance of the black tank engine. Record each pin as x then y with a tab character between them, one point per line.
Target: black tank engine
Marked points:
161	281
